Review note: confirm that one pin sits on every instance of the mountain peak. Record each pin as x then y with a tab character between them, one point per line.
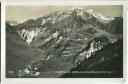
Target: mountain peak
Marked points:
12	22
77	7
96	14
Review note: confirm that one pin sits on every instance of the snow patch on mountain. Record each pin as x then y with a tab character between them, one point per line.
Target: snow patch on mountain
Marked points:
12	22
59	17
94	46
98	15
29	35
76	7
81	11
45	21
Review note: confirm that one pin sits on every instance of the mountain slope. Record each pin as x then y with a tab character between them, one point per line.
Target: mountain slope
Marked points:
108	62
12	22
68	21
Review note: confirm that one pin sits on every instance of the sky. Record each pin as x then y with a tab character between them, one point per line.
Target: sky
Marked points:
23	13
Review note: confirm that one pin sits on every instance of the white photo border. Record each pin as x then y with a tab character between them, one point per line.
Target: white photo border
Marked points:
5	80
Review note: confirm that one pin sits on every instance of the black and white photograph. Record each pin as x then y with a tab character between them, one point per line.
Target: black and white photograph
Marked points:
64	41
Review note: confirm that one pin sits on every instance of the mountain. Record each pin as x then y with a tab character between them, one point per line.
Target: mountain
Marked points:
70	20
59	41
94	46
108	60
12	22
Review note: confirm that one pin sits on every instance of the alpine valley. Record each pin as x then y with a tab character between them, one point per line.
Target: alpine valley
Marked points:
73	43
